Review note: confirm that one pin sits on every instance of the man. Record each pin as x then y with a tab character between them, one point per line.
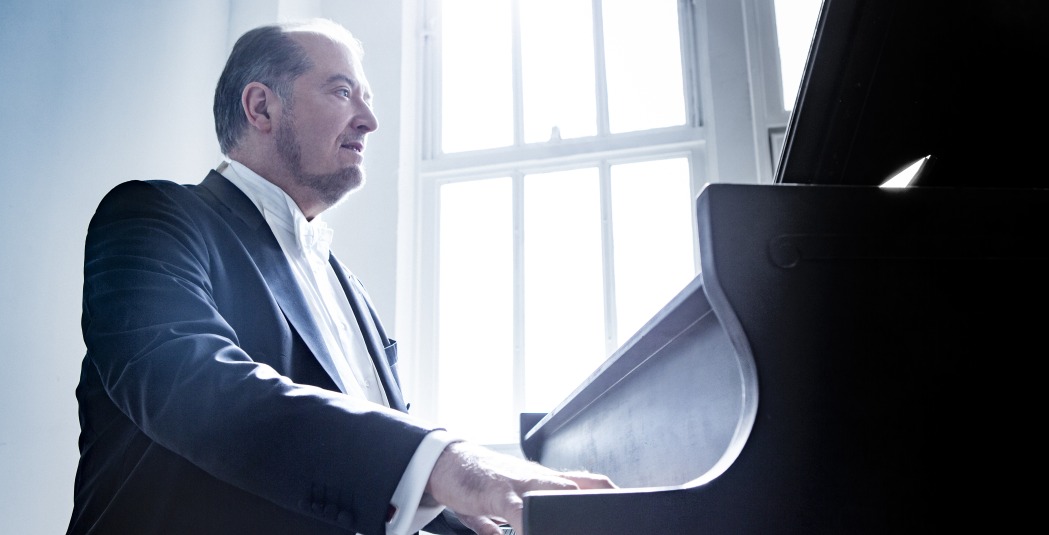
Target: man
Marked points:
237	379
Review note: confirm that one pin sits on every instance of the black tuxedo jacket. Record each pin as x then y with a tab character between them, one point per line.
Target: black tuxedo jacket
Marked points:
203	408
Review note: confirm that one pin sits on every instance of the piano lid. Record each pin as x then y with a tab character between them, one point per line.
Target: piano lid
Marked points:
888	82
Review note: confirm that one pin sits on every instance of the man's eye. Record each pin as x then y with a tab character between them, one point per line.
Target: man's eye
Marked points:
345	93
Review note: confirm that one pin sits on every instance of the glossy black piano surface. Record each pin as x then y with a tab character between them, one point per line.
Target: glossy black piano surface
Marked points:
851	358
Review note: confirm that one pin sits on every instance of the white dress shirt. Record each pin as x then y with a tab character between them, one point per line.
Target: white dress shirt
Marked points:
306	245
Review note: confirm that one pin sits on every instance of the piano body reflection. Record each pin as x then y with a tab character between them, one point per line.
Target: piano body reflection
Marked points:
851	358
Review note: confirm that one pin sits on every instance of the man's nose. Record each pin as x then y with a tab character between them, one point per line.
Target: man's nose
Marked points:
364	120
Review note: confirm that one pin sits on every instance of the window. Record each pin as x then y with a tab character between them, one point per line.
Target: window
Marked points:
783	33
795	21
562	147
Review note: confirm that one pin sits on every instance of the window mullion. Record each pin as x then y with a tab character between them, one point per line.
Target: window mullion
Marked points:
600	78
432	110
518	75
519	370
608	258
689	61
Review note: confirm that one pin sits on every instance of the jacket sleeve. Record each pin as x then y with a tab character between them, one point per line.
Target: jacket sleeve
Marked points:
173	365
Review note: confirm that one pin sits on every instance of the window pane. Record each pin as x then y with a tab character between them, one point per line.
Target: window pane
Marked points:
795	23
557	58
643	64
652	233
564	318
477	111
476	309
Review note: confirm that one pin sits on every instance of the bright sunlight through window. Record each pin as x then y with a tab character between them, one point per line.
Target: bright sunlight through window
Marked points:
795	24
561	168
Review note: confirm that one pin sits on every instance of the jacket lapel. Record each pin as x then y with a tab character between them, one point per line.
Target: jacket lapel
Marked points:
382	350
273	265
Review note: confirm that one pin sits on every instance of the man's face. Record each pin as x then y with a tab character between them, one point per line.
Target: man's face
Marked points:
321	133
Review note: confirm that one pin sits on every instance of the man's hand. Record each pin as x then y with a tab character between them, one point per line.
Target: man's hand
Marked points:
485	488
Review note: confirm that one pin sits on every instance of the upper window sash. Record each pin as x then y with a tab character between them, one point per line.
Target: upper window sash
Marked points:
519	149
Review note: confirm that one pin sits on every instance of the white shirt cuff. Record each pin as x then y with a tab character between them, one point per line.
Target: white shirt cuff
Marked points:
410	515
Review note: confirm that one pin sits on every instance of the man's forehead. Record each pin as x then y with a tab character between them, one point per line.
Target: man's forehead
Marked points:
320	43
332	59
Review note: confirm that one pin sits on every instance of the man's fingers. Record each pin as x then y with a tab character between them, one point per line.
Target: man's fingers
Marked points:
481	525
586	480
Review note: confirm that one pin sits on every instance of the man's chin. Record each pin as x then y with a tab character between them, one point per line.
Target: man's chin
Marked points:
355	178
355	185
333	188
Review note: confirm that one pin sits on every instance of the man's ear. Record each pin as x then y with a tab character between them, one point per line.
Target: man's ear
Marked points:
259	103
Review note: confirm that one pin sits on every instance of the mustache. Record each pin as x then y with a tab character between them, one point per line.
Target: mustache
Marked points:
353	141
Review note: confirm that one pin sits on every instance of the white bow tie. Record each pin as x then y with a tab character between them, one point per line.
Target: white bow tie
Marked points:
314	238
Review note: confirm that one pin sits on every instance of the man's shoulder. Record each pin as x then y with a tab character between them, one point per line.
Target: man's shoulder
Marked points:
155	189
213	201
150	196
152	187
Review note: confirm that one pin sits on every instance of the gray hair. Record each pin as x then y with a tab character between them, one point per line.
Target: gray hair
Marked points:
269	56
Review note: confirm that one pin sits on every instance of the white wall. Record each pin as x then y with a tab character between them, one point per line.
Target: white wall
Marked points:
96	92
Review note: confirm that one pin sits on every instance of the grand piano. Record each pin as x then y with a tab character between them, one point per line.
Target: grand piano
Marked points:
851	358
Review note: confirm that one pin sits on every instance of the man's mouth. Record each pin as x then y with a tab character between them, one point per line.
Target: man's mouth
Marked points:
355	146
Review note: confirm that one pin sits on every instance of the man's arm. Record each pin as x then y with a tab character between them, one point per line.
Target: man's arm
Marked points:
161	285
